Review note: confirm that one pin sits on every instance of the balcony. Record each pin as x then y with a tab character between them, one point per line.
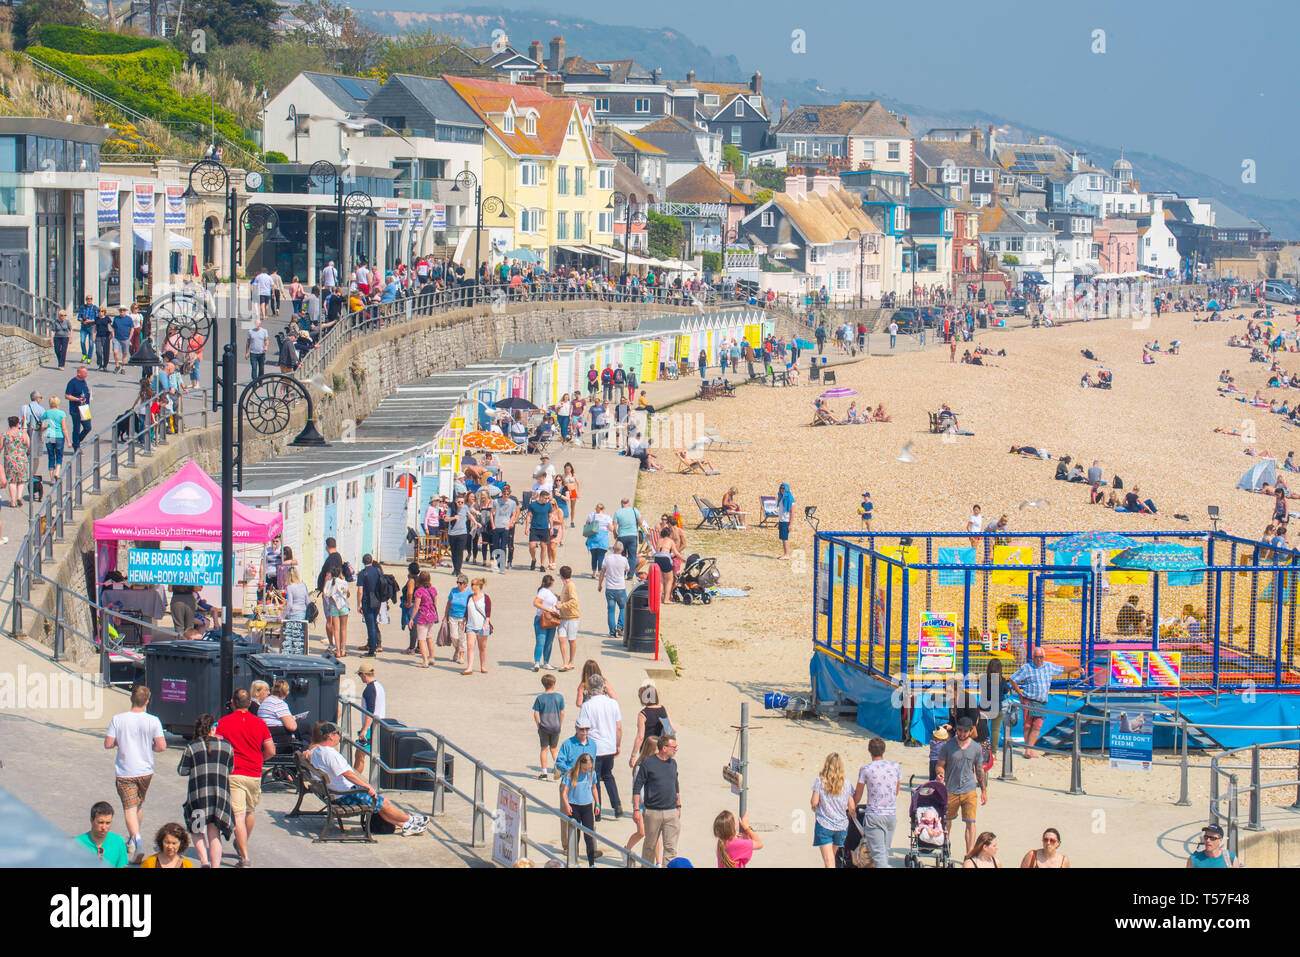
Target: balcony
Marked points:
1074	206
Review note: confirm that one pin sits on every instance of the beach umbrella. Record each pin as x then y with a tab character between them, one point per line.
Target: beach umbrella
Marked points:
491	441
523	255
1091	541
1160	557
514	402
839	392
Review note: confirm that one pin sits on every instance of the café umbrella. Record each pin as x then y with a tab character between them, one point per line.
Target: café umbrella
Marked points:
489	441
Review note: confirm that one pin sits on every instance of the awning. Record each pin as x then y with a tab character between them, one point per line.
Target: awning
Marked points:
144	240
579	250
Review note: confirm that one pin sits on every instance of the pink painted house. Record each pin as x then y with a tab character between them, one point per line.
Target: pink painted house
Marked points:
1117	245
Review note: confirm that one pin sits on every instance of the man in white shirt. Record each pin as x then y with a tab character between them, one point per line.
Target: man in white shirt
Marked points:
375	700
606	720
612	580
352	789
263	287
136	735
545	466
329	276
975	525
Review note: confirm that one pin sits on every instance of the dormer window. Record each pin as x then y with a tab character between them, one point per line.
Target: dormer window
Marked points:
530	125
710	99
508	123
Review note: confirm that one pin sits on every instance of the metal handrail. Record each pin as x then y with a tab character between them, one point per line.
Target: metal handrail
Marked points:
84	473
481	810
1254	791
26	310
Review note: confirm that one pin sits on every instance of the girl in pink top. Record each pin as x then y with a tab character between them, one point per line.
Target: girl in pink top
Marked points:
737	841
425	615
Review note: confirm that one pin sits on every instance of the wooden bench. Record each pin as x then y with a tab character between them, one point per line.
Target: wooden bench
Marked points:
708	391
311	780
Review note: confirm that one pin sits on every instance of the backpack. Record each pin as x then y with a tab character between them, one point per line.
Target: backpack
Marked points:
348	574
389	588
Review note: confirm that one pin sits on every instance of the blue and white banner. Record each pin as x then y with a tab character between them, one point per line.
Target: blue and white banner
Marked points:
438	216
175	212
144	204
417	215
107	207
392	217
170	566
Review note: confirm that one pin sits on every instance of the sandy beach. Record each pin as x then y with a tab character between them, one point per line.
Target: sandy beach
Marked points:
1154	428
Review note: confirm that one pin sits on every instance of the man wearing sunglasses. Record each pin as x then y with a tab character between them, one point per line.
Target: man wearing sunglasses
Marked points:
351	788
1213	852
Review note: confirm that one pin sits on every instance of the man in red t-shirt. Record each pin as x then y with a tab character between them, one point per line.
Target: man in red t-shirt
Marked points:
251	739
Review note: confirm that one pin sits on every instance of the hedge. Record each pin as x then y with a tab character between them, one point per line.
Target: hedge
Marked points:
94	42
140	80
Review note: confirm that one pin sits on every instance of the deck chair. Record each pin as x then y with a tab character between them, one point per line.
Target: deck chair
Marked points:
686	468
828	377
710	515
771	513
935	425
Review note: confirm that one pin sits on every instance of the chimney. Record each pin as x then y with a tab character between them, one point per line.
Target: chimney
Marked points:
823	183
535	51
977	139
993	142
656	75
728	176
796	186
556	62
756	83
690	76
1074	162
903	119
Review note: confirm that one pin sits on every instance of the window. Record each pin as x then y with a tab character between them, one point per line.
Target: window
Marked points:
561	225
1036	180
370	483
528	174
800	148
602	104
562	181
947	218
995	245
735	134
604	222
1171	242
331	495
767	219
834	148
604	178
508	123
740	106
351	491
308	504
1007	179
579	181
529	220
1015	244
816	148
979	200
578	233
895	150
984	176
530	125
869	150
816	254
955	193
642	104
710	99
841	280
1094	182
573	128
951	174
756	102
396	122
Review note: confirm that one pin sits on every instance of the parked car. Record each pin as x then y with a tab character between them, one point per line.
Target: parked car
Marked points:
1001	308
930	316
908	319
1277	290
1018	306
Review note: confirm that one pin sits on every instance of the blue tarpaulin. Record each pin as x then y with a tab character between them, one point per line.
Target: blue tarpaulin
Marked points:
953	556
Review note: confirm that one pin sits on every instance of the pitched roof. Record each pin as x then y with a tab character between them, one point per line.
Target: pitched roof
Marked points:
675	137
825	219
668	124
577	66
1045	158
824	119
702	185
628	183
348	93
439	98
726	93
1000	218
635	142
486	97
1225	217
933	154
620	71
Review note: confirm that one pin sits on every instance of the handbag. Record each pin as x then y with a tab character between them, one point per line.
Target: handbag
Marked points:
444	634
84	411
313	612
549	618
861	855
382	618
590	529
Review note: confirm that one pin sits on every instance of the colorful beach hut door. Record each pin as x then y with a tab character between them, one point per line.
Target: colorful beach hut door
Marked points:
1060	616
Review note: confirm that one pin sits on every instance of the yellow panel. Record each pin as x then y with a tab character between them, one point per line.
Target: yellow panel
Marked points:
754	335
1011	555
911	554
684	347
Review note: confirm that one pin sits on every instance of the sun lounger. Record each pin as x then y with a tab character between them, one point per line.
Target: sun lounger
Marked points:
771	513
719	444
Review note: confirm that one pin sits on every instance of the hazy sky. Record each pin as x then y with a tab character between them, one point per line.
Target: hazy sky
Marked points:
1183	80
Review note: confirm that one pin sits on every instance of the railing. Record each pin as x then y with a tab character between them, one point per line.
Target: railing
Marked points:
100	458
25	310
1231	819
481	811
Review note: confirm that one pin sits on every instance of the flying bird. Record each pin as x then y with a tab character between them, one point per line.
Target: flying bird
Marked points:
906	454
319	383
1034	503
357	124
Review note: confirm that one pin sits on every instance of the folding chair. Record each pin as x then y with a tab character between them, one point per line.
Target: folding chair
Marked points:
771	513
710	515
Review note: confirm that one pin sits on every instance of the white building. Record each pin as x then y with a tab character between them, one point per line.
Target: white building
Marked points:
1157	247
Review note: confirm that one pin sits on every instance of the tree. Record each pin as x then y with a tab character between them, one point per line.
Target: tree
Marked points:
32	15
665	235
763	196
227	22
731	156
1010	260
426	52
333	28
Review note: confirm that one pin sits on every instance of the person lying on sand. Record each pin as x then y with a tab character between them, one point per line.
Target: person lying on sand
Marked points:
1087	354
1030	451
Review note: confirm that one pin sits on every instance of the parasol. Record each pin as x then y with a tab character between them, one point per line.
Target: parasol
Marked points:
514	402
491	441
839	392
1160	557
1091	541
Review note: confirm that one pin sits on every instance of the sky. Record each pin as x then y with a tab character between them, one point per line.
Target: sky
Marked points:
1201	82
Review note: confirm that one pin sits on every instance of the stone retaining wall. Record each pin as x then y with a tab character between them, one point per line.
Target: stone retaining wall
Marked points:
20	354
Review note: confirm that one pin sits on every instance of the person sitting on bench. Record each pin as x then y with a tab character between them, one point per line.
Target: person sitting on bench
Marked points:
349	788
696	465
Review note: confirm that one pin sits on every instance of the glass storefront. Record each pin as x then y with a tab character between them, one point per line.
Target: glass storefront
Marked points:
51	244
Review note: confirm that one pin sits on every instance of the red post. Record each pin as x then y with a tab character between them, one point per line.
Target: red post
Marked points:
654	585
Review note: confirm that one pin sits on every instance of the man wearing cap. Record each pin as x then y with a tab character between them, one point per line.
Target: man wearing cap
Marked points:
352	789
570	750
1212	852
961	769
123	325
375	701
1033	683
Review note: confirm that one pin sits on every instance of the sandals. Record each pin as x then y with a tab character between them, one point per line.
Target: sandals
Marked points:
470	672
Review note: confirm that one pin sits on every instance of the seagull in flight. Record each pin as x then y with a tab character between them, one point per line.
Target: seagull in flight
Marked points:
906	454
1034	503
357	124
319	383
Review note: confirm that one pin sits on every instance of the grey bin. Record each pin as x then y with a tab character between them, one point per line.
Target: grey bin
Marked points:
313	683
184	679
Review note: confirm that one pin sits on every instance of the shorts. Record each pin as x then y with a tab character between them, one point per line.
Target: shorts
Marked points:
358	797
132	791
1033	714
245	794
568	628
539	535
783	531
967	803
549	739
665	564
823	836
263	299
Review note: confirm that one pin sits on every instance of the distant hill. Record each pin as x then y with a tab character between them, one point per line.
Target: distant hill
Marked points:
675	53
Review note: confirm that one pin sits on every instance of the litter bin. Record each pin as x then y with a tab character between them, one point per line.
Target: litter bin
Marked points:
429	759
313	683
184	679
398	746
641	623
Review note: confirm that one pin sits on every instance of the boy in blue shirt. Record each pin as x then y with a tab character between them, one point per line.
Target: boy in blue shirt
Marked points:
101	840
548	715
865	510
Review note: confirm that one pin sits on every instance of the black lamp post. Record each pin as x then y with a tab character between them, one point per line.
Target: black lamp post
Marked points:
865	242
631	214
466	179
208	177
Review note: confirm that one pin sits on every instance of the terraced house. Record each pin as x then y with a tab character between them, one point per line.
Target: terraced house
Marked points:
856	134
541	160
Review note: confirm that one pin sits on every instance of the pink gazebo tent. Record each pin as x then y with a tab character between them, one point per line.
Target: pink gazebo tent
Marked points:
186	508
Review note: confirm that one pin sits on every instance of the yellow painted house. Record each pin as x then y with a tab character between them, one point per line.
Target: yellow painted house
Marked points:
540	158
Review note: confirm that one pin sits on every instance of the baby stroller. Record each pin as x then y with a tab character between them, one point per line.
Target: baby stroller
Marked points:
934	796
698	575
1103	379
